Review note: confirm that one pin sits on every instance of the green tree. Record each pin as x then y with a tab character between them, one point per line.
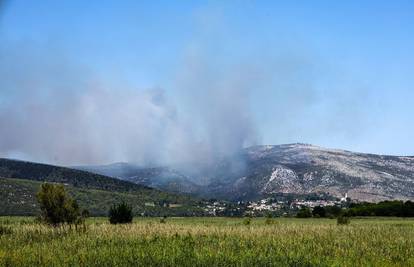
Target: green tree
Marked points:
121	213
333	211
319	211
247	221
56	206
343	220
304	212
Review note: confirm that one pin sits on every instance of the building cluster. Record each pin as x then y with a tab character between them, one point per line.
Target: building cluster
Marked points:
266	205
215	208
269	205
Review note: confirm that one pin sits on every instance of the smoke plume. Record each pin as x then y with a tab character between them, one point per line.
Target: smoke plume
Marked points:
54	111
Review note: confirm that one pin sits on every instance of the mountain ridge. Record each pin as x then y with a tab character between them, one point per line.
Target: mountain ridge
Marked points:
291	168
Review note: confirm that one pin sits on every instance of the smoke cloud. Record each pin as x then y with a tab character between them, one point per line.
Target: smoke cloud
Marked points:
57	111
54	111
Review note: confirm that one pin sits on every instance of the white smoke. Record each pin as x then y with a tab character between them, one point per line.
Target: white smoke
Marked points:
55	112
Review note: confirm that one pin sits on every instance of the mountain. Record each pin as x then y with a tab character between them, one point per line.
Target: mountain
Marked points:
20	180
301	168
260	171
50	173
163	178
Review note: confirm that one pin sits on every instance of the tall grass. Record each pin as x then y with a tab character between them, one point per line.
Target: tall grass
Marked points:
211	242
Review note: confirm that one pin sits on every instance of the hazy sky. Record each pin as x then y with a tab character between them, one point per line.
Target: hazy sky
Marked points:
98	81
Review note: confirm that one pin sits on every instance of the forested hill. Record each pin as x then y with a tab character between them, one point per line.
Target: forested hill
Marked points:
50	173
20	180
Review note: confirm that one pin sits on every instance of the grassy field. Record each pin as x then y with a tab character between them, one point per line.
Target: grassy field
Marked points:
210	242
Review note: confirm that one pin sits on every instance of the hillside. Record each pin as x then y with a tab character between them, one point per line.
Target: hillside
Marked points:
300	168
164	178
293	168
19	199
50	173
19	182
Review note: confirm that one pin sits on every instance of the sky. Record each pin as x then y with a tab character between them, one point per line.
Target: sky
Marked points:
92	82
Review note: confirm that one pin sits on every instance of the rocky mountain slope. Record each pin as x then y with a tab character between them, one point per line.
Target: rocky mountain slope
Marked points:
293	168
304	169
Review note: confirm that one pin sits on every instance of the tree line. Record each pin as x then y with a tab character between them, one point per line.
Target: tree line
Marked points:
58	208
395	208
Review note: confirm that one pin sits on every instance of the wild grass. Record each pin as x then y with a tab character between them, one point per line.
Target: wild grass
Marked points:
210	242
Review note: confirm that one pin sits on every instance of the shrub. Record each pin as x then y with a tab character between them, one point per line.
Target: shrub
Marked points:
319	212
333	211
343	220
269	219
304	212
56	206
121	213
85	213
247	221
163	219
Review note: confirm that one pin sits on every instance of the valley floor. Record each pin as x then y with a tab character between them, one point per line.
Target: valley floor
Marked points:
210	242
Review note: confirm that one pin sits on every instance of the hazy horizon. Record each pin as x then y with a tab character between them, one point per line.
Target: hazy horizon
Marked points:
162	83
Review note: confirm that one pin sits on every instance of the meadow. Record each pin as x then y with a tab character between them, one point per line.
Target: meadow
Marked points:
209	242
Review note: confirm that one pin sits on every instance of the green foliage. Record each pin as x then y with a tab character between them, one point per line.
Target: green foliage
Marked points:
85	213
56	174
20	196
333	211
319	212
121	213
247	221
343	220
304	212
269	219
56	206
386	208
93	191
211	242
163	219
327	212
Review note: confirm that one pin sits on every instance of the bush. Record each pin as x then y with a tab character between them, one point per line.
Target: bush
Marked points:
269	219
319	212
304	212
163	219
121	213
343	220
57	207
247	221
85	213
333	211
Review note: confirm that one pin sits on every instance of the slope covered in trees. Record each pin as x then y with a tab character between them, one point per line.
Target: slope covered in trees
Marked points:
19	198
20	180
50	173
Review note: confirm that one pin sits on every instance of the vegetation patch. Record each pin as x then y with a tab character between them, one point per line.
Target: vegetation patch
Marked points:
211	242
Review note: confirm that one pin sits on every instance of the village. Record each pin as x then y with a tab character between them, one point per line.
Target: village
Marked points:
271	205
